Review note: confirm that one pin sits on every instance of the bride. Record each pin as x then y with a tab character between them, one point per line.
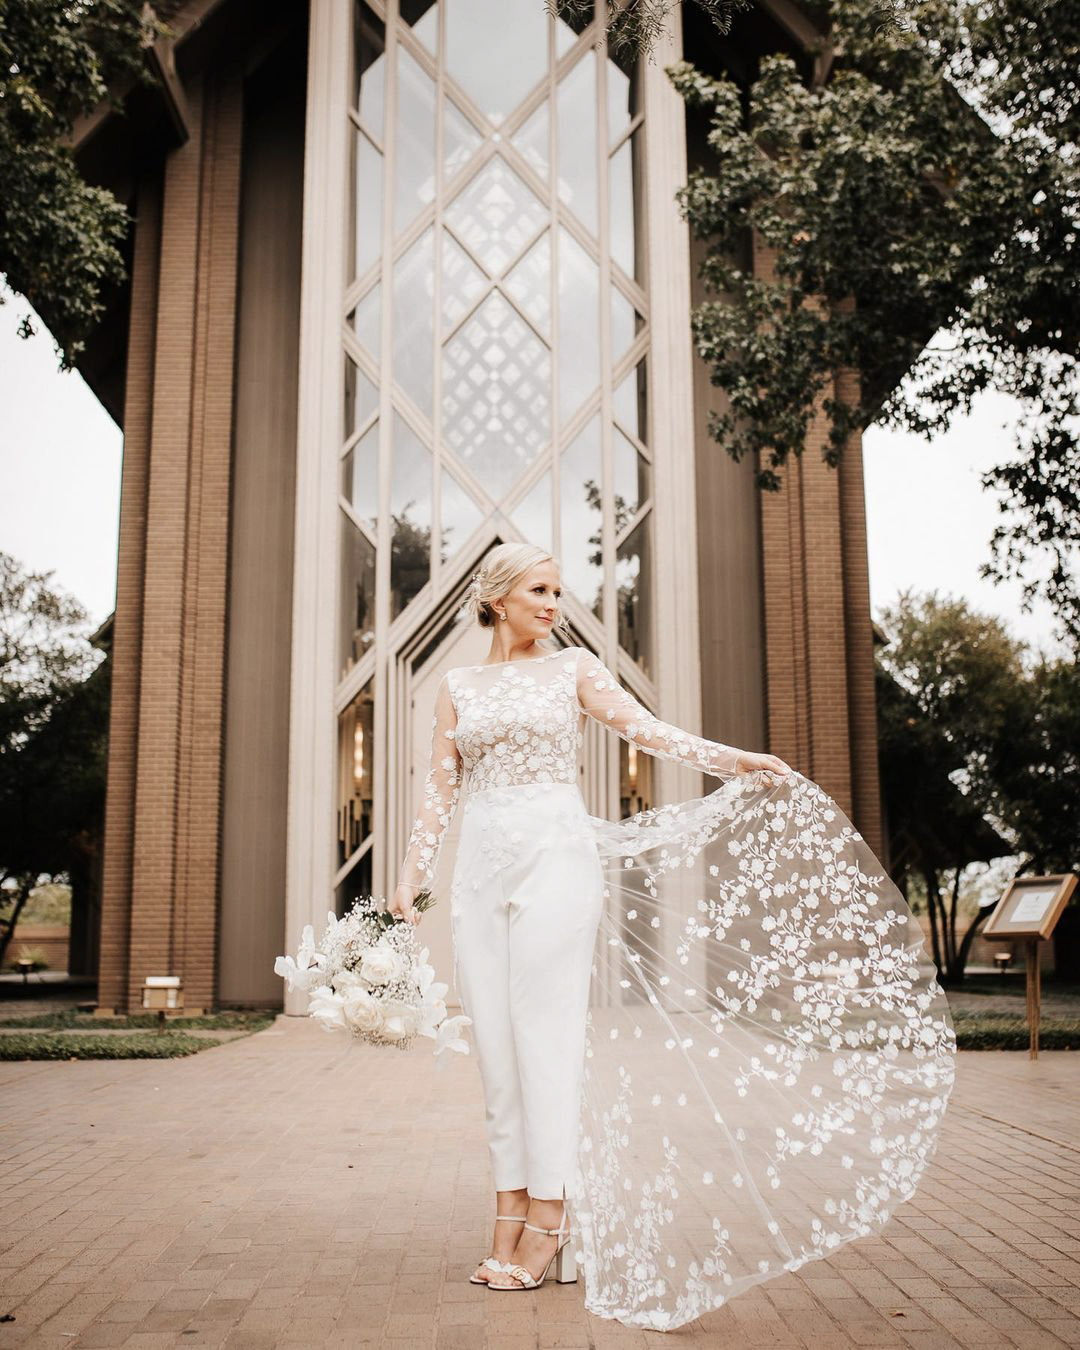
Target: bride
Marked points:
709	1037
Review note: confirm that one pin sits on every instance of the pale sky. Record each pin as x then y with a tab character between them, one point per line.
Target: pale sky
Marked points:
929	522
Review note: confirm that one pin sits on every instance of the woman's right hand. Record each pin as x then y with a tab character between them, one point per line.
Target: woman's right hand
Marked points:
401	906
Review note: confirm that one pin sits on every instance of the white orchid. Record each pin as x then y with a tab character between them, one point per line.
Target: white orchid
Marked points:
448	1037
298	974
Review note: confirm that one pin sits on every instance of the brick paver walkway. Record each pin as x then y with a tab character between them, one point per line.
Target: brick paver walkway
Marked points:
291	1190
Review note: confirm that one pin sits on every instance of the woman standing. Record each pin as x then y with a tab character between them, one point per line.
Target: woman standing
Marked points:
675	1015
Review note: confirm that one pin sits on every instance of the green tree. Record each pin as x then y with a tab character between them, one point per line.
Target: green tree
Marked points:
61	237
980	756
53	732
915	189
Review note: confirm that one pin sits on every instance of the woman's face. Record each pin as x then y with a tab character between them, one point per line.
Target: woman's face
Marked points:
533	603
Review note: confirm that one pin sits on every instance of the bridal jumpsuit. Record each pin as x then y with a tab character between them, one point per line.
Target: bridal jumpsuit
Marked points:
527	890
713	1028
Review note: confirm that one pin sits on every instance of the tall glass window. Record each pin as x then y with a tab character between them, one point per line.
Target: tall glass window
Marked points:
496	324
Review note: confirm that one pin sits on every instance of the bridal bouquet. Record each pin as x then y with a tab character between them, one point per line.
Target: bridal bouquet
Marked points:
369	976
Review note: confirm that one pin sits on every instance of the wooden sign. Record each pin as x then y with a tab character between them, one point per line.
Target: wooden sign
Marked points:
1027	913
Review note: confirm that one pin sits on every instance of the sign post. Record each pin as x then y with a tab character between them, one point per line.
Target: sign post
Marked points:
1027	912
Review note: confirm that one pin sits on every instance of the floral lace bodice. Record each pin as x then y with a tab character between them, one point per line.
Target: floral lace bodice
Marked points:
520	722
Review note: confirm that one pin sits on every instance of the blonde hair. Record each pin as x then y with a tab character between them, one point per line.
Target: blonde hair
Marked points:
501	569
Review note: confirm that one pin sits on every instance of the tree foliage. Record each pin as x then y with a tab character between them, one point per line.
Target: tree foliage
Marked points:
61	237
53	731
917	212
980	755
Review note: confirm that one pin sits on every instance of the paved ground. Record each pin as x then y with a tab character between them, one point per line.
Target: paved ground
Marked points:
290	1190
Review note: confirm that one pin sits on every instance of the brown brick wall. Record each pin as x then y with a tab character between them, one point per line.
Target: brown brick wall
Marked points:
165	769
818	636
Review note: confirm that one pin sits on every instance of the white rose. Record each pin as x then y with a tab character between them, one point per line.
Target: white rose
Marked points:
400	1019
362	1011
380	964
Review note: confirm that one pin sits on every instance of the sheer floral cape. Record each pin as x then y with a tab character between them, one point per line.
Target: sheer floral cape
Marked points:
769	1054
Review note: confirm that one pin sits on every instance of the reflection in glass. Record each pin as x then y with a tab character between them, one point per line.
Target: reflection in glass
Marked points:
495	215
360	477
532	515
410	516
369	69
361	398
460	138
623	219
422	16
414	166
628	399
579	327
356	765
577	140
356	618
496	376
367	204
366	320
530	284
462	281
631	471
581	510
531	139
496	60
633	587
356	884
414	287
635	779
460	515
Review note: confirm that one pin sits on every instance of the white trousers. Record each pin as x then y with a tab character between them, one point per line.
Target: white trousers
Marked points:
525	905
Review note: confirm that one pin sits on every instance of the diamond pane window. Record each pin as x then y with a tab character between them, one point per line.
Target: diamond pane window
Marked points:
529	284
369	69
532	515
496	57
365	320
460	139
531	139
577	140
460	515
414	288
361	398
410	513
491	408
356	622
462	282
496	374
367	195
495	215
579	327
360	477
581	479
414	180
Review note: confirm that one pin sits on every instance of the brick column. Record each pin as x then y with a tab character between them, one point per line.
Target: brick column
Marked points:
127	622
818	637
172	817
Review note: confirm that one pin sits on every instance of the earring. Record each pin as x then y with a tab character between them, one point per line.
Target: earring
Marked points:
502	616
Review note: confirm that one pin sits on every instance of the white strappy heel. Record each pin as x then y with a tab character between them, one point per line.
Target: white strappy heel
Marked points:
492	1262
563	1257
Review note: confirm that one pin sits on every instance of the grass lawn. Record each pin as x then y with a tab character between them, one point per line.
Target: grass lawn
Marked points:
78	1035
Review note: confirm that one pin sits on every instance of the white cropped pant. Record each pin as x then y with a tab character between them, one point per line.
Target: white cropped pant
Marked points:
525	904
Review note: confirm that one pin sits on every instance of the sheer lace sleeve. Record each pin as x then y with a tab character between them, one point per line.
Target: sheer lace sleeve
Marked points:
601	696
441	789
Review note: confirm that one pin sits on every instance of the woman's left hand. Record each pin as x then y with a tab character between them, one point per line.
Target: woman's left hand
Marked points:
749	762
